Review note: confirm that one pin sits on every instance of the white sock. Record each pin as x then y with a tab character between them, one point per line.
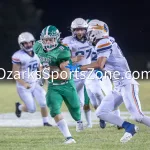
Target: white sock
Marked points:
88	116
63	127
117	112
45	119
20	107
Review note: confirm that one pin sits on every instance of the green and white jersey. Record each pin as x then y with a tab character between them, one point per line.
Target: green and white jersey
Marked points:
53	57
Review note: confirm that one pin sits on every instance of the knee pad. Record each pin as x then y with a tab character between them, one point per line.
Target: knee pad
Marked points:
100	112
42	105
55	112
32	110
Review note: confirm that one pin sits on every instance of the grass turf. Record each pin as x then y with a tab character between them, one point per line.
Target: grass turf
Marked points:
51	139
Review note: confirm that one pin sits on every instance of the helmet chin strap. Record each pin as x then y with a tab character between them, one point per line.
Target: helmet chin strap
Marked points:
28	50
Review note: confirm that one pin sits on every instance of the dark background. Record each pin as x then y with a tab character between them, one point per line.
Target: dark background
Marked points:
128	21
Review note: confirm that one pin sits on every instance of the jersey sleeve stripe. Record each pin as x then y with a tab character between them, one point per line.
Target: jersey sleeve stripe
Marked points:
16	60
104	45
104	49
65	44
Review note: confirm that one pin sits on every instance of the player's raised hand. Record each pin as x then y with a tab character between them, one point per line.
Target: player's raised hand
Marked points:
64	64
73	67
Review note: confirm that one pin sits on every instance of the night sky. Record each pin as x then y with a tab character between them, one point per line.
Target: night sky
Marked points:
128	21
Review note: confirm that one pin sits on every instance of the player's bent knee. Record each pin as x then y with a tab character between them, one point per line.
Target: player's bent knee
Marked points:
32	110
76	114
138	118
43	105
54	113
100	113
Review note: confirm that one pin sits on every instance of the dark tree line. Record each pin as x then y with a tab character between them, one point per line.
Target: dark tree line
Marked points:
16	16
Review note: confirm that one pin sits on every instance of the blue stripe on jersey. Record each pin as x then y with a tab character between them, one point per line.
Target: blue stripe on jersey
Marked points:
15	62
104	49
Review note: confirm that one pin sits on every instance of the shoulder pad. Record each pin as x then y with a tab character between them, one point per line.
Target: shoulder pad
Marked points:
16	57
67	40
63	47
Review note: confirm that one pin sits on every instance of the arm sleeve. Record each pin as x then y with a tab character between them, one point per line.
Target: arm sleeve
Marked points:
16	59
104	48
36	47
104	54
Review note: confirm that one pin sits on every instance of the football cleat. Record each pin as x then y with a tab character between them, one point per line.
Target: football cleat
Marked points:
119	128
46	124
102	123
17	112
130	132
79	126
69	140
88	126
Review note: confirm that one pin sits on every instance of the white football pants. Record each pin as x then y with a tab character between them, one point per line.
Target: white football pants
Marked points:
127	94
28	95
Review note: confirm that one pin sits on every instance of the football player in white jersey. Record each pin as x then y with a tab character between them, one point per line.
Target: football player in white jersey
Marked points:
25	66
110	58
105	83
81	49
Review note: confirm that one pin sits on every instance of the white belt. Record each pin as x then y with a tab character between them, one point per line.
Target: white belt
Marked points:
62	83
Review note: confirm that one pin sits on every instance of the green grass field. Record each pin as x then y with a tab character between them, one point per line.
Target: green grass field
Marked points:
41	138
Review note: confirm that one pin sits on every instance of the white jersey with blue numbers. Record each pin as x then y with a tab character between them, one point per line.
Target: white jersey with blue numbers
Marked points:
78	48
116	62
94	56
29	65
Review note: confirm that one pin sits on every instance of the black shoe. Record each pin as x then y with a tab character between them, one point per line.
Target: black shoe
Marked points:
47	124
119	128
102	124
17	112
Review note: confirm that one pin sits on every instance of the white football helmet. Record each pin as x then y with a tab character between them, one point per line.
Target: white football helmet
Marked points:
25	37
78	23
97	30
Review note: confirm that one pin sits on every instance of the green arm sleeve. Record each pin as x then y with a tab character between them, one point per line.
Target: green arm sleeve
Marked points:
36	47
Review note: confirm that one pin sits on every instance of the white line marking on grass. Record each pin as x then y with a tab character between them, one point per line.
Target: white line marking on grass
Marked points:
35	119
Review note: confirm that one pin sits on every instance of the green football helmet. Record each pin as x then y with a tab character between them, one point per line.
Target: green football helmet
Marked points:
50	37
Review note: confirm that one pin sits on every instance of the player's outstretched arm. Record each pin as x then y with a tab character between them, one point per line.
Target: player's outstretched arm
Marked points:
16	75
99	64
76	58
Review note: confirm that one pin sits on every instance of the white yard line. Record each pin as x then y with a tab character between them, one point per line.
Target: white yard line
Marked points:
35	120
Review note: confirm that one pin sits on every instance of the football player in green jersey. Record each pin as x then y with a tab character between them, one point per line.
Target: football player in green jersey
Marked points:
52	53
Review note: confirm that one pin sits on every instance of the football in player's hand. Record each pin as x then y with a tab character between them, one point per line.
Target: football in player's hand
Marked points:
54	69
